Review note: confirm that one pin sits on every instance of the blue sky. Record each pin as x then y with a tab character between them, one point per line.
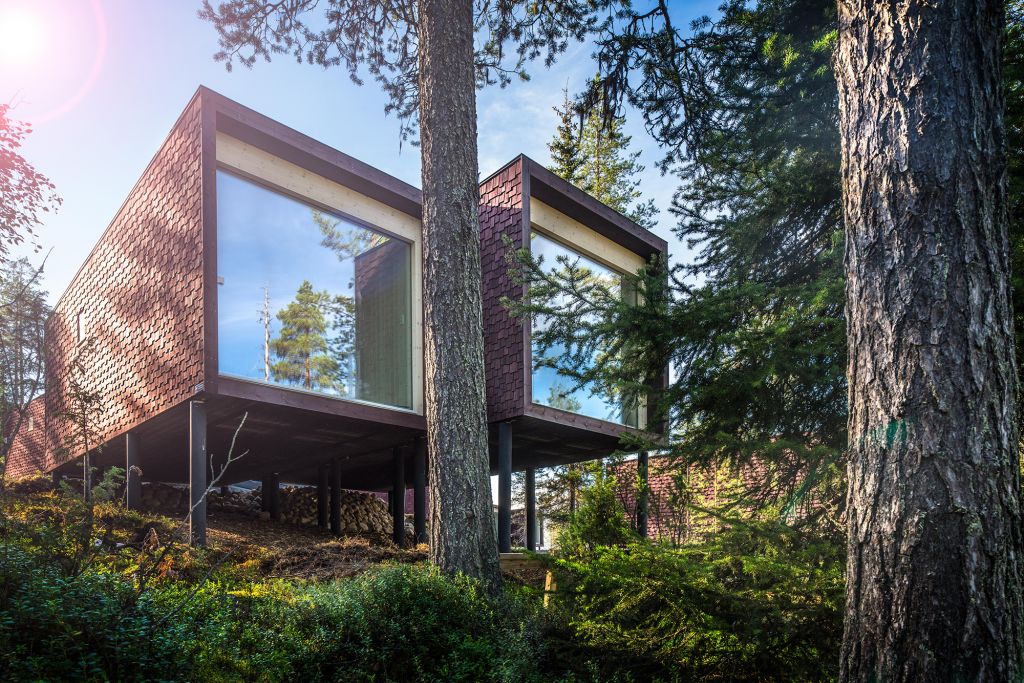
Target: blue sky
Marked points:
108	104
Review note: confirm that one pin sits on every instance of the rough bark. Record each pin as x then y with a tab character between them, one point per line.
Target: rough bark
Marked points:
462	535
933	576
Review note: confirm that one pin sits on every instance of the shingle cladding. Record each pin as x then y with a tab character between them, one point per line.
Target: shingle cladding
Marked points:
501	215
28	448
139	296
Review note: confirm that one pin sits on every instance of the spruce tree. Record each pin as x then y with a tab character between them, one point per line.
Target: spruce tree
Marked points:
596	158
301	345
565	146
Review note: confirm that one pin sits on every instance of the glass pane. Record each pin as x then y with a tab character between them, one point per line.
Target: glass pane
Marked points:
310	300
551	389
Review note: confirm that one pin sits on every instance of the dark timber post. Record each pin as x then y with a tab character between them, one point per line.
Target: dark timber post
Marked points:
398	498
504	487
273	496
419	490
197	472
643	494
322	486
335	483
531	509
132	473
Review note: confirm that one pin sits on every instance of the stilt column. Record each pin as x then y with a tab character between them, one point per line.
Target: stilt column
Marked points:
531	509
419	483
504	487
322	492
335	511
398	498
273	494
642	498
197	472
132	472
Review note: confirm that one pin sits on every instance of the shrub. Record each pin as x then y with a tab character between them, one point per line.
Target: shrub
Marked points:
91	626
757	602
392	623
599	521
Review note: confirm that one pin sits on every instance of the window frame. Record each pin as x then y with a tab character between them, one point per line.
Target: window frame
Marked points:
276	175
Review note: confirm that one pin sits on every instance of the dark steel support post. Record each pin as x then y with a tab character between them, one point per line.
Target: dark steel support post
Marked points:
197	472
322	487
531	509
642	498
265	485
419	491
274	497
132	472
398	498
540	531
504	487
335	512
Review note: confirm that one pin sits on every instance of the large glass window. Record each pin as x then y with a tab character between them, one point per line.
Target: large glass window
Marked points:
549	387
310	300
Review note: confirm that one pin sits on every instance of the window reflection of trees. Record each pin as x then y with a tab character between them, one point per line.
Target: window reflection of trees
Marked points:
571	266
324	350
340	322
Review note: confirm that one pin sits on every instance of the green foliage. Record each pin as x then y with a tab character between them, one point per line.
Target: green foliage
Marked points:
23	314
27	195
745	108
393	623
593	154
301	345
756	602
599	521
87	627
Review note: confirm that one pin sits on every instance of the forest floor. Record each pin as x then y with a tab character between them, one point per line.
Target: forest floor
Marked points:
260	548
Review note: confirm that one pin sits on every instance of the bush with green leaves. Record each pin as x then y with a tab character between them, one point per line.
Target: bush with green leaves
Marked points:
599	521
758	601
91	626
392	623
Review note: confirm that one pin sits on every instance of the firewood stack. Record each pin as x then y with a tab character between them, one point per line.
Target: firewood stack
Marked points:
361	513
168	497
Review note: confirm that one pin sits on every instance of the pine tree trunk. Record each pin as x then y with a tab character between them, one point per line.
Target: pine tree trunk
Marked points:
462	537
933	576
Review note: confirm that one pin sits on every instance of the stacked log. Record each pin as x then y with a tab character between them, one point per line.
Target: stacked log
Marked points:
361	512
159	496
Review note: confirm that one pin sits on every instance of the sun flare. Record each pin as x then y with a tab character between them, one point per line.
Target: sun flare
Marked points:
21	36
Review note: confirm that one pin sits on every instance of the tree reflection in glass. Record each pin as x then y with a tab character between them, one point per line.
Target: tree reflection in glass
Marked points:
552	387
345	328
